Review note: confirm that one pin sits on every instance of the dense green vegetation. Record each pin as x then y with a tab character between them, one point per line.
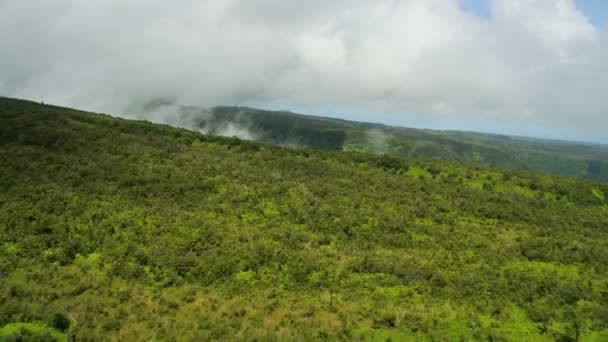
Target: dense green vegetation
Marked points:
286	128
127	230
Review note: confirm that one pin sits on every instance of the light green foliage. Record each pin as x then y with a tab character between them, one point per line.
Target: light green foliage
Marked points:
598	193
30	332
88	263
245	277
122	230
524	191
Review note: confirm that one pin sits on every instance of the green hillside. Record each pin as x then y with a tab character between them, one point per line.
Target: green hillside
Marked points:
122	230
286	128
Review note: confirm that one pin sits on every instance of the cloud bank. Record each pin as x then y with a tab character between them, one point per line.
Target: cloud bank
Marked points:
531	63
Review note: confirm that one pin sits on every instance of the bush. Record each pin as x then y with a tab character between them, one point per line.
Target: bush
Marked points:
60	321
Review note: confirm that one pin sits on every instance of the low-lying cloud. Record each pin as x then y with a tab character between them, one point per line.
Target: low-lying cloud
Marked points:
538	63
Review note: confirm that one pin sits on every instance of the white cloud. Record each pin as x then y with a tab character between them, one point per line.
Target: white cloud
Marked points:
534	62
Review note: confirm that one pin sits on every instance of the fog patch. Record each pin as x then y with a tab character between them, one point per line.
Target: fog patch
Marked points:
377	141
204	120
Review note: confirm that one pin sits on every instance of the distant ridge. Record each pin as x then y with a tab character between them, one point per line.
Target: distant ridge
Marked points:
569	158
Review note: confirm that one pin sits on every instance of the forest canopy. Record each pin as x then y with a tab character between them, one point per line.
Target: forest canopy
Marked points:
127	230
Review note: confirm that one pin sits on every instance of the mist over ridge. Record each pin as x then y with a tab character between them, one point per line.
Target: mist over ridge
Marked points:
525	67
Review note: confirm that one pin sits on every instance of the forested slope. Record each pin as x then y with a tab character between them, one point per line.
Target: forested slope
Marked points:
123	230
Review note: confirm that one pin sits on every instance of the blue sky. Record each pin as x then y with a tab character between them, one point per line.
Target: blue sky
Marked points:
595	10
480	8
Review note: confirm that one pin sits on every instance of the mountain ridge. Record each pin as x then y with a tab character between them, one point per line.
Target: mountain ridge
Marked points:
562	157
283	127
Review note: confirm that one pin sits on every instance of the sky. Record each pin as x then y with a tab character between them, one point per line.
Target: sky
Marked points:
521	67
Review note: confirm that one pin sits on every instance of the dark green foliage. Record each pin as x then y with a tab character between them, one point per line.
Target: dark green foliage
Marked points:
281	128
387	162
597	169
60	322
286	128
123	230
